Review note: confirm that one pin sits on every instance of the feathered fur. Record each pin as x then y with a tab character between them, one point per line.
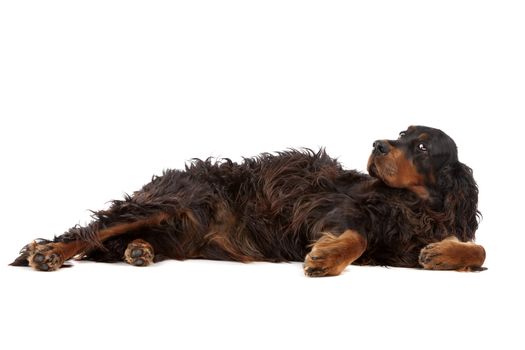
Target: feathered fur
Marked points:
274	206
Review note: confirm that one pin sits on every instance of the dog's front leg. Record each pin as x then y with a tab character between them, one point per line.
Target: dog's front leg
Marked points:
331	254
451	254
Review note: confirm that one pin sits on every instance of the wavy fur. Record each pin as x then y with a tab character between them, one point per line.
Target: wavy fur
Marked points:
274	206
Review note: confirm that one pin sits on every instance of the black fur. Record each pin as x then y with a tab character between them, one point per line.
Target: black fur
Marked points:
274	206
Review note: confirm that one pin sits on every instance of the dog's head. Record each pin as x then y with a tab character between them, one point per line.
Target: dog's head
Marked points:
425	161
414	160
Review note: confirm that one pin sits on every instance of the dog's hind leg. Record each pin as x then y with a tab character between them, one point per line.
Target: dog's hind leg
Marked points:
171	208
46	255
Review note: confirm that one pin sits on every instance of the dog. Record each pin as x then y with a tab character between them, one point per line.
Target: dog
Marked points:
417	208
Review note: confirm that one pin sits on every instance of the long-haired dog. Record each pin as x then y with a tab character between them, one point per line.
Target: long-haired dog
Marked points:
417	208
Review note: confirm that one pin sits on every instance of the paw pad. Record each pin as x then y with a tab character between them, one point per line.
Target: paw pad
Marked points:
139	253
44	256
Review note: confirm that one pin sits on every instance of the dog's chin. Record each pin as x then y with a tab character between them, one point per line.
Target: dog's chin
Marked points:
372	168
374	172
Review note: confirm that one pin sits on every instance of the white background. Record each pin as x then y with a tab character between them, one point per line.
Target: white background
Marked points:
97	96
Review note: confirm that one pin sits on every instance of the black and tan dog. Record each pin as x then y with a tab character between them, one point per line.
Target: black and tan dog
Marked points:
418	208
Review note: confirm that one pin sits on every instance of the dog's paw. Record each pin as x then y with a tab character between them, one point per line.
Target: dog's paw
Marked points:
323	262
435	256
452	255
139	253
44	255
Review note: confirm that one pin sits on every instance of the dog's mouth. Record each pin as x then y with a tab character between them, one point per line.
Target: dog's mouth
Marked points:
372	167
372	170
379	171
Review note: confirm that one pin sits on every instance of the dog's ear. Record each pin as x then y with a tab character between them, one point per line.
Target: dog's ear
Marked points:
460	199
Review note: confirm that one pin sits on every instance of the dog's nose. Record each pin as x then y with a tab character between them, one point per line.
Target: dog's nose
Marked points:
381	147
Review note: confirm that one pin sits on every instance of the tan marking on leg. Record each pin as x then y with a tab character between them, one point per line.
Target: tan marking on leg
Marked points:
451	254
119	229
331	254
50	256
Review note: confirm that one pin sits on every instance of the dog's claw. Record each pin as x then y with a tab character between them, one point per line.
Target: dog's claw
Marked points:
314	271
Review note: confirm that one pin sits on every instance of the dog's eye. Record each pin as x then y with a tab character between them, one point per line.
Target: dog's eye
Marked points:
402	133
422	147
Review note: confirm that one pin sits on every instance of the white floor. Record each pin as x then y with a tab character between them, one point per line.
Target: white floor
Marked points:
206	304
95	97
